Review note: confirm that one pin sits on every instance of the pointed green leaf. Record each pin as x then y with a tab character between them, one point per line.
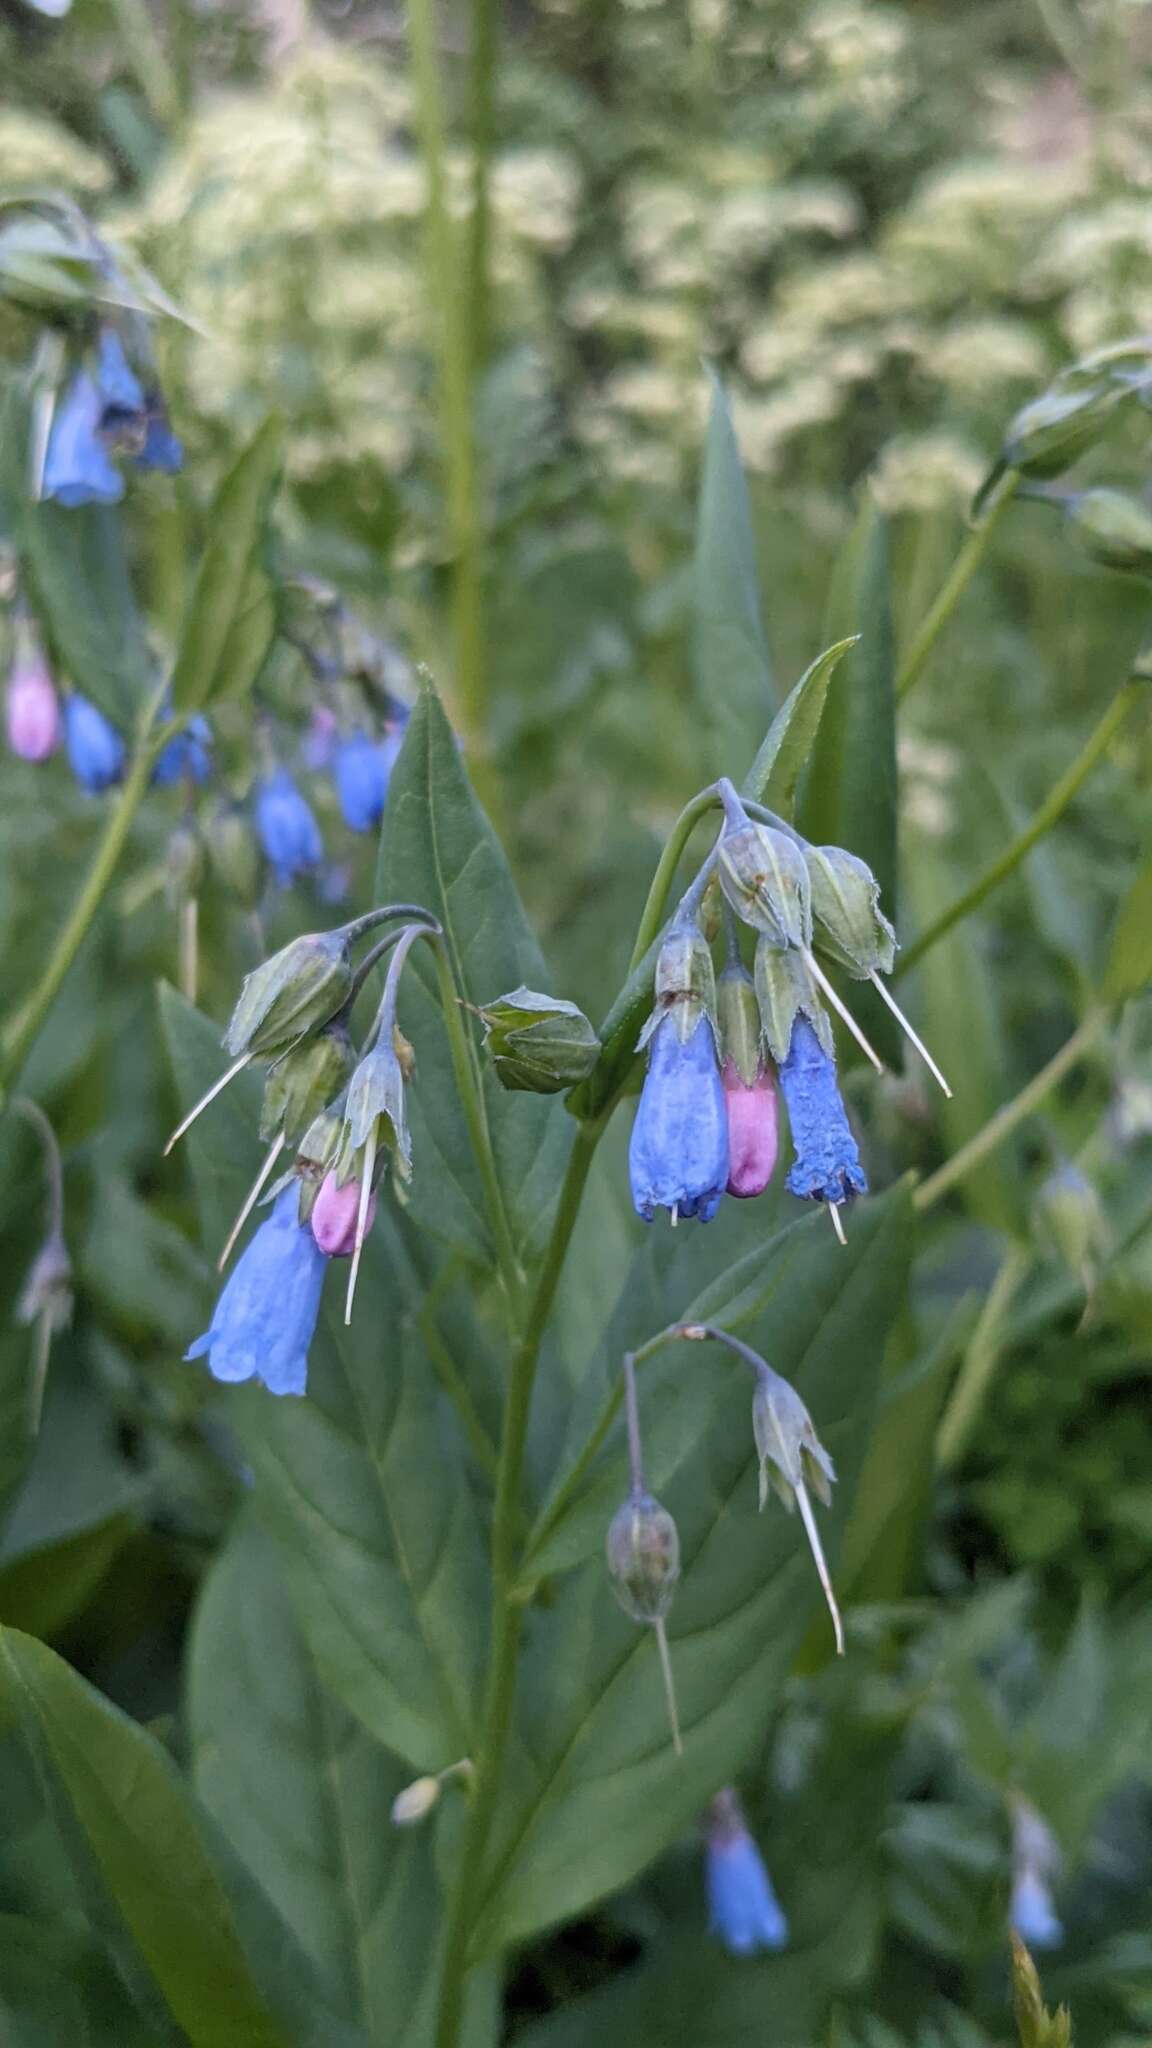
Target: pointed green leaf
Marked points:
438	849
363	1481
733	673
783	756
1129	968
305	1797
605	1791
231	615
124	1796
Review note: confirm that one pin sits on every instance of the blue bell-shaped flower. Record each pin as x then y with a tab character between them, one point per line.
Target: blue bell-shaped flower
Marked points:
286	827
266	1315
678	1155
94	747
827	1165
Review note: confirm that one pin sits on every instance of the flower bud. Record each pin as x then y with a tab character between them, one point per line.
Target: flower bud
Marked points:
763	876
738	1023
1112	527
316	1153
1070	1211
334	1216
785	990
850	925
94	747
32	709
415	1802
1051	432
539	1042
643	1553
752	1131
293	993
304	1079
235	854
47	1291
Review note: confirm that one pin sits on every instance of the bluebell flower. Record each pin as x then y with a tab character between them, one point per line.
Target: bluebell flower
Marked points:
1032	1912
77	467
678	1155
121	393
827	1165
266	1315
94	747
187	757
742	1907
361	768
161	448
286	828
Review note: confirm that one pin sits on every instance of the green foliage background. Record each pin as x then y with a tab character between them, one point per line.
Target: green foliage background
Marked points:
886	226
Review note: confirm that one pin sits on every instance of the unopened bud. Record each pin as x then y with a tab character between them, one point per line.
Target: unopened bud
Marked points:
1113	528
643	1553
785	990
763	876
293	993
47	1291
304	1080
738	1022
415	1802
850	925
335	1216
1051	432
539	1042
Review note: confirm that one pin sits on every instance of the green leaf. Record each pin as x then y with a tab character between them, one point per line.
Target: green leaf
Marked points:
733	673
124	1796
231	615
689	1994
305	1797
604	1791
775	772
1129	968
363	1482
74	563
438	849
851	794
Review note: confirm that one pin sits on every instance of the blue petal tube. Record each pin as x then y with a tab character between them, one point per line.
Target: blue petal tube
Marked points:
286	828
678	1155
266	1315
743	1908
77	467
94	747
361	768
827	1165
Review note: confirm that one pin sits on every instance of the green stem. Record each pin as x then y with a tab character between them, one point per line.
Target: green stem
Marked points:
1013	1113
980	1358
476	1117
485	23
145	53
22	1032
507	1610
1053	808
662	880
963	569
454	354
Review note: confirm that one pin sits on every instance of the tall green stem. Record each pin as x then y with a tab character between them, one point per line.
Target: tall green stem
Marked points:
450	301
984	1349
1053	808
963	569
507	1611
485	23
21	1033
665	875
1013	1113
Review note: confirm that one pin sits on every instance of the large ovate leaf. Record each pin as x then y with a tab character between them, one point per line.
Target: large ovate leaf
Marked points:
730	655
305	1797
439	850
231	613
605	1790
363	1481
122	1798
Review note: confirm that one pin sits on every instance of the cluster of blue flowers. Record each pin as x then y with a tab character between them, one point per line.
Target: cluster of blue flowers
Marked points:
707	1119
111	406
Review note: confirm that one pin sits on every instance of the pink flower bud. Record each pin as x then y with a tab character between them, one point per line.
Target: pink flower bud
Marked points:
751	1130
32	710
334	1216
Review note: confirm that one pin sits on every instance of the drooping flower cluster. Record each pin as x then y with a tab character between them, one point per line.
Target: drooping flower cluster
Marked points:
343	1112
707	1118
109	406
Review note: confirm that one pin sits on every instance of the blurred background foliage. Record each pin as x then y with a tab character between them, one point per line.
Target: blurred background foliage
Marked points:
888	225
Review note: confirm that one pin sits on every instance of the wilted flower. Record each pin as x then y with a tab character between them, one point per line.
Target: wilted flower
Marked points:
643	1553
678	1155
742	1907
792	1459
31	706
827	1164
286	827
266	1315
94	747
